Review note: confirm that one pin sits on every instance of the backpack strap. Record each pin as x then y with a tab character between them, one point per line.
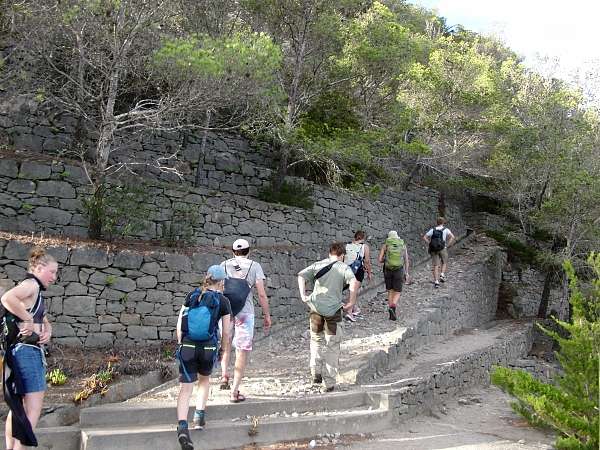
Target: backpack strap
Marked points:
247	273
324	270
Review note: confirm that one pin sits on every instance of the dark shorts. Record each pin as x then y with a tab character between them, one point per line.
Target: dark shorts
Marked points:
328	325
394	279
196	358
360	274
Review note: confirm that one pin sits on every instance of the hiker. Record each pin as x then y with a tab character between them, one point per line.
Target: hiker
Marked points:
394	257
358	257
197	351
25	330
326	308
243	274
439	238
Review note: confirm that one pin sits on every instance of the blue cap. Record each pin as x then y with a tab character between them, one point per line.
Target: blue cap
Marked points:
217	273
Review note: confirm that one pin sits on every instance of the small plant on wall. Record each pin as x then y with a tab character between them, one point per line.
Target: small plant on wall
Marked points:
179	229
117	210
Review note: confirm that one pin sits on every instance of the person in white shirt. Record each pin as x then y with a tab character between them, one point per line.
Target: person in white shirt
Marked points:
439	239
241	267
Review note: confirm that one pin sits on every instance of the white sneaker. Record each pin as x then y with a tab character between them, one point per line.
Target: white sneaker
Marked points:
357	311
442	278
350	317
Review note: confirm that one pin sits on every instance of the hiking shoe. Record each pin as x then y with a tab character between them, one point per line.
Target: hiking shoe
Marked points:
327	389
199	420
442	278
317	379
350	317
357	311
392	312
183	436
436	284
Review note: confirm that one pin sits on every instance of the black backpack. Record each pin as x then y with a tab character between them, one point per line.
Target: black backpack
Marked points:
437	243
237	290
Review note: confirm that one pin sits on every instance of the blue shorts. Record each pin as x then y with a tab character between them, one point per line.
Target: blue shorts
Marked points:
30	367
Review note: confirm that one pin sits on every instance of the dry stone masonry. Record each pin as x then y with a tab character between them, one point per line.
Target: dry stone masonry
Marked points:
112	297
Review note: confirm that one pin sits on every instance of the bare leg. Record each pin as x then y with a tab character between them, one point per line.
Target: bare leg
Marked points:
390	295
203	390
32	403
225	360
241	357
394	297
183	400
356	309
10	441
436	273
444	267
226	354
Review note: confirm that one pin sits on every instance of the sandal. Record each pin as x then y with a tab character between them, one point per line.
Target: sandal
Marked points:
224	386
236	397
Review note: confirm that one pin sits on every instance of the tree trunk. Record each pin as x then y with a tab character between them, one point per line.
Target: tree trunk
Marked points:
96	211
543	308
202	153
284	157
411	175
442	204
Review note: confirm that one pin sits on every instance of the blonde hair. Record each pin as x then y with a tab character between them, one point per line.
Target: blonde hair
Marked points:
209	282
39	257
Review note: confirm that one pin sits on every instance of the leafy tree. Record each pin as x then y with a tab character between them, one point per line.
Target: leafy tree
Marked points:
570	406
450	96
124	68
308	32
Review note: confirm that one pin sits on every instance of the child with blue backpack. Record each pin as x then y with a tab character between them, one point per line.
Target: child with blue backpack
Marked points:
198	347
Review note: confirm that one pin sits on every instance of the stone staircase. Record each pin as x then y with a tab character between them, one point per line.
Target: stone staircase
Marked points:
445	343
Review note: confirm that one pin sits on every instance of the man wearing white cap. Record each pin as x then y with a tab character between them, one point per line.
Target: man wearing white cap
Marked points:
244	274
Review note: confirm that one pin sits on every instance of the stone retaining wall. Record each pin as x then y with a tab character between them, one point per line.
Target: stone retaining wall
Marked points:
118	297
47	198
450	379
229	161
472	305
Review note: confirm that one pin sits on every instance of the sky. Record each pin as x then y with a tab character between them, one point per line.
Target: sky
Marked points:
557	38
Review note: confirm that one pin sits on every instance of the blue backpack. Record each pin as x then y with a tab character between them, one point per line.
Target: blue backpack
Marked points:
199	321
357	264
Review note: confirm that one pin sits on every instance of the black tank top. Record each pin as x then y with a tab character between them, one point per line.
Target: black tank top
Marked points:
38	310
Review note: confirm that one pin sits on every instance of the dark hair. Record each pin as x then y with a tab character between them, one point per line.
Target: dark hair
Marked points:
441	221
39	257
242	252
337	249
359	235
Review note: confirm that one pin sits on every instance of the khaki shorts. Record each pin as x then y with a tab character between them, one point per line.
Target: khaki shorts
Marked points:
439	258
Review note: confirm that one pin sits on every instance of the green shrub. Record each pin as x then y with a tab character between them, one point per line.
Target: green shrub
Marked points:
117	210
179	229
291	193
525	253
570	406
56	377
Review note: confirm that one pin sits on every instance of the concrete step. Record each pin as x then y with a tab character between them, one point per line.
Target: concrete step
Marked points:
225	434
431	376
132	414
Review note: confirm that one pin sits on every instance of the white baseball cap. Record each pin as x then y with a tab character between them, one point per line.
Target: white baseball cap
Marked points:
240	244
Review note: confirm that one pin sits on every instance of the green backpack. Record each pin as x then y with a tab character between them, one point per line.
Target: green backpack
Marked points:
394	253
